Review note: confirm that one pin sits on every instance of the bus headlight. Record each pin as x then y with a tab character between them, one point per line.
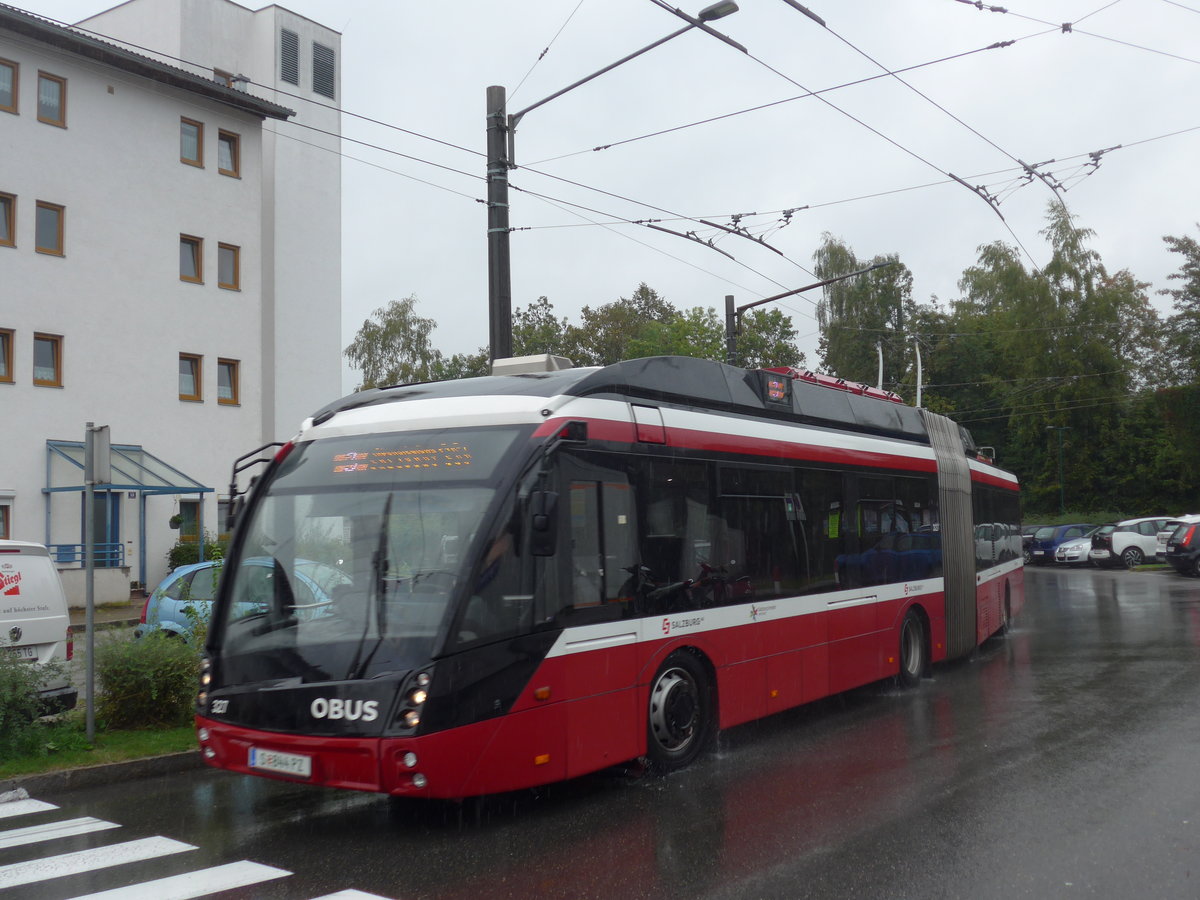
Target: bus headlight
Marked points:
413	695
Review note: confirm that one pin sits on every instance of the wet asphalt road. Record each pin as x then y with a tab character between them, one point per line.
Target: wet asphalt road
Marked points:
1060	762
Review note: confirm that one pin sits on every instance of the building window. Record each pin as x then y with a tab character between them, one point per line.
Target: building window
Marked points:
5	522
191	142
8	85
289	56
227	382
47	360
229	154
189	376
6	357
48	228
8	220
324	72
52	100
229	267
191	259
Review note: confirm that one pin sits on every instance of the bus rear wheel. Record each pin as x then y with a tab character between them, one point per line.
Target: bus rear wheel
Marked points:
913	650
680	713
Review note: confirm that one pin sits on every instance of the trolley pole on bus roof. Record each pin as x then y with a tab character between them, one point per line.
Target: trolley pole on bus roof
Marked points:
733	315
501	156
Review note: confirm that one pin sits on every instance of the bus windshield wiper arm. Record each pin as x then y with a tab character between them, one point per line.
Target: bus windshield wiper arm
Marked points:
380	565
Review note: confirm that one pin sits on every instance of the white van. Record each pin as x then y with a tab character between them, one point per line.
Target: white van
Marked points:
34	623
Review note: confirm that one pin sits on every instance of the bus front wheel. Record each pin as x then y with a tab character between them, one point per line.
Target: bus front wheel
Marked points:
913	650
680	715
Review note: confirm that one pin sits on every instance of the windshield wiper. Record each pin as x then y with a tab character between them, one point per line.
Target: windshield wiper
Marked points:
379	565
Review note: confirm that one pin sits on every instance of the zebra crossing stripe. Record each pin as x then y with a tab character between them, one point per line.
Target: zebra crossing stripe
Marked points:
16	837
23	808
351	895
36	870
194	884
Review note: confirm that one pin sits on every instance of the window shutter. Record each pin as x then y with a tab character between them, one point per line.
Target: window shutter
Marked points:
324	70
289	56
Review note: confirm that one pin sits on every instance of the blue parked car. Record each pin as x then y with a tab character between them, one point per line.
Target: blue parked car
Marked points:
184	598
1047	538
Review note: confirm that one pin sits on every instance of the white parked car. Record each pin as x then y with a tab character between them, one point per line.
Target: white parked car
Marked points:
35	625
1167	530
1129	544
1075	552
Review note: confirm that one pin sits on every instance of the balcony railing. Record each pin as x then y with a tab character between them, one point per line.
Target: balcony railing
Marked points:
108	556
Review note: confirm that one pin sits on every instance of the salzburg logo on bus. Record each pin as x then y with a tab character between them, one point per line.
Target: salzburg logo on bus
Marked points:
670	625
349	710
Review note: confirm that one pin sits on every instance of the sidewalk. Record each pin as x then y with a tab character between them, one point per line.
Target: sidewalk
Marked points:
109	615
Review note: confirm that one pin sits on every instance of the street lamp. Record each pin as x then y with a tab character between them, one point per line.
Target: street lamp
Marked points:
1062	496
501	151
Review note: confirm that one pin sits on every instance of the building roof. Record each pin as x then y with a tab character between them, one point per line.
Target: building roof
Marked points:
17	21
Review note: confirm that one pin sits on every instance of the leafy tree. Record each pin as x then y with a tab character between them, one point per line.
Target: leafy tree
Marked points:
536	329
394	347
858	314
1183	328
767	339
463	365
695	332
605	333
1029	356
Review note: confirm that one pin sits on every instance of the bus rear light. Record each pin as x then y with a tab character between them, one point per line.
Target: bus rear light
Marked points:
419	780
202	734
542	759
412	719
410	760
418	697
542	693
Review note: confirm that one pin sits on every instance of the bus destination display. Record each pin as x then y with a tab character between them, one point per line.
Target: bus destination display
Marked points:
456	455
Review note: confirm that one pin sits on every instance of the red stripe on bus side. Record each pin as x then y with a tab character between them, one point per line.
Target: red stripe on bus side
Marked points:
623	432
993	480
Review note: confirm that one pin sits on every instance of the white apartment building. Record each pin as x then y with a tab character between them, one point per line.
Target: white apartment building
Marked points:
169	265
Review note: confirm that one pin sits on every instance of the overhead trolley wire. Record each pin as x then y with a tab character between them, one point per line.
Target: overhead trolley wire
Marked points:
762	106
542	55
1069	28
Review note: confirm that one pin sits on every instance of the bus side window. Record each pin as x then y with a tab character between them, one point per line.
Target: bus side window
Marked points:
601	541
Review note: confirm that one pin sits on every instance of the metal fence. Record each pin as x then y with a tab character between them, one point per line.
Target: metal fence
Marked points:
108	556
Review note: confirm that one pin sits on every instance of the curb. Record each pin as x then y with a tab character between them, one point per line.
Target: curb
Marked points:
90	776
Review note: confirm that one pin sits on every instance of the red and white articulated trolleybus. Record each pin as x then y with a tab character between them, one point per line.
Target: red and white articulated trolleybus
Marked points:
446	590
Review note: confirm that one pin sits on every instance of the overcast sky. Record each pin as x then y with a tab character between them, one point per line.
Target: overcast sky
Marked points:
873	171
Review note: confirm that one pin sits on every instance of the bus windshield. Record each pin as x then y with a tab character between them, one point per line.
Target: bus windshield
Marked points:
349	558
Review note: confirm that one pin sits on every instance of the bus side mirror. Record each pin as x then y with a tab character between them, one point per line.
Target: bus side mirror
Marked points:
543	523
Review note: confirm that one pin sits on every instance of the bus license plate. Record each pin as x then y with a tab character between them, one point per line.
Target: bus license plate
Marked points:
23	652
284	763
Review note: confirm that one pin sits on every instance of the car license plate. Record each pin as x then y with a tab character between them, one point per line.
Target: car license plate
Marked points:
24	652
284	763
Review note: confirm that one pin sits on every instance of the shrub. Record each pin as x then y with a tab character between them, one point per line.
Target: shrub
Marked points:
147	682
185	553
19	704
